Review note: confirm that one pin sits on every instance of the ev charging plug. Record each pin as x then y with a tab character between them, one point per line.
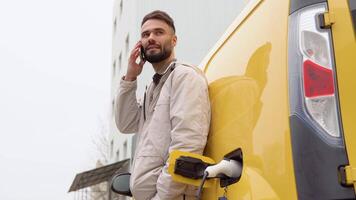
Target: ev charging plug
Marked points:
228	167
228	170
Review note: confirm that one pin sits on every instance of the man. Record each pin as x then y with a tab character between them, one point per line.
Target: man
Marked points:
175	114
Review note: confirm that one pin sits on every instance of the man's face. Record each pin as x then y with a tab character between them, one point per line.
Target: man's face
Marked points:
158	40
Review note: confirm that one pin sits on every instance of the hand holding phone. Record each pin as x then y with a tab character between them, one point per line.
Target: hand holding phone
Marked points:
142	54
134	67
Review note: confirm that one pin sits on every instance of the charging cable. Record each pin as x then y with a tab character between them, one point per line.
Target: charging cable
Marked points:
227	167
206	174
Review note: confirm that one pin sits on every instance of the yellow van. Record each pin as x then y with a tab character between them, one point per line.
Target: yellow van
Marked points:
282	85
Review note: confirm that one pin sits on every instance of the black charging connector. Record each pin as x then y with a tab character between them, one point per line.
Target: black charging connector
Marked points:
190	167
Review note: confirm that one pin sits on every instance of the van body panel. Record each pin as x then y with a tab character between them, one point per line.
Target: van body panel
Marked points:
248	88
248	77
345	59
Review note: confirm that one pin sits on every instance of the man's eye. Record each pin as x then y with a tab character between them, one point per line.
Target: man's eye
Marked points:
144	35
159	32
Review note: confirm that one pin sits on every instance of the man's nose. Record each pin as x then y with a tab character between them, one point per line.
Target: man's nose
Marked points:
151	38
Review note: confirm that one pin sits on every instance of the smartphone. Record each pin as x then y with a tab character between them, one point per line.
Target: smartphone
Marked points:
142	53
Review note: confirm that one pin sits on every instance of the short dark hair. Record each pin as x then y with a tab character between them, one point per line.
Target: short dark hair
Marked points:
160	15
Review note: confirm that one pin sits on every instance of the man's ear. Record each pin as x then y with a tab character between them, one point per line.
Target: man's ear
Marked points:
174	40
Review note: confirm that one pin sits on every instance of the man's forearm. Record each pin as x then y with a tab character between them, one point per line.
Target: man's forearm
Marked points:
127	110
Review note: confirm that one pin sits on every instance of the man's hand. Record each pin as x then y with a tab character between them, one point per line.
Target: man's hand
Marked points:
134	69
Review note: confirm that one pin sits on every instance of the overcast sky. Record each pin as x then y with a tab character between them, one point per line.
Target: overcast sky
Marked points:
55	91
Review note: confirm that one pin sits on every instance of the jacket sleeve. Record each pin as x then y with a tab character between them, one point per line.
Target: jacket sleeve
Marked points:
127	110
190	119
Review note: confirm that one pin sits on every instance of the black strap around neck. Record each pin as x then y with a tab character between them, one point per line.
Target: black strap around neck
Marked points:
156	78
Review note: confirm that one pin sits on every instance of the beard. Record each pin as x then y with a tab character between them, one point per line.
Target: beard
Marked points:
158	57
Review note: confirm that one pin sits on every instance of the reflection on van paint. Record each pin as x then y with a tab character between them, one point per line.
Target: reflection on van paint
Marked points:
236	108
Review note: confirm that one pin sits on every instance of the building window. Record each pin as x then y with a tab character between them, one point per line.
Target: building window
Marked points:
114	68
119	62
127	43
125	149
115	24
113	107
118	155
111	148
121	6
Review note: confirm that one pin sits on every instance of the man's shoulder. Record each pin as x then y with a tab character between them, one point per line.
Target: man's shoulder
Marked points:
185	68
185	72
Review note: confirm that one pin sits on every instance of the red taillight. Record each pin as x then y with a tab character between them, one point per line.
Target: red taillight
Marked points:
314	72
318	80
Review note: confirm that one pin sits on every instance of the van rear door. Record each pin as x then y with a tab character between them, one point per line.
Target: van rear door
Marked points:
343	18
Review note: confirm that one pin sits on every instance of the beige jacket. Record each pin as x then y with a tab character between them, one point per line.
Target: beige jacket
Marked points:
175	116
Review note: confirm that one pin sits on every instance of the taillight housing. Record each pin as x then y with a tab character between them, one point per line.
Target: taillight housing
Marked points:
312	85
318	148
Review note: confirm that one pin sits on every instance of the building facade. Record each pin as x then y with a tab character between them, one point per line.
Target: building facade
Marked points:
199	24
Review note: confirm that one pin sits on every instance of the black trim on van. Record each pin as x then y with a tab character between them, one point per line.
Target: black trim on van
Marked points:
298	4
316	164
352	6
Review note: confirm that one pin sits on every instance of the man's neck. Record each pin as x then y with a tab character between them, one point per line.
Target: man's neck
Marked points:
160	67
